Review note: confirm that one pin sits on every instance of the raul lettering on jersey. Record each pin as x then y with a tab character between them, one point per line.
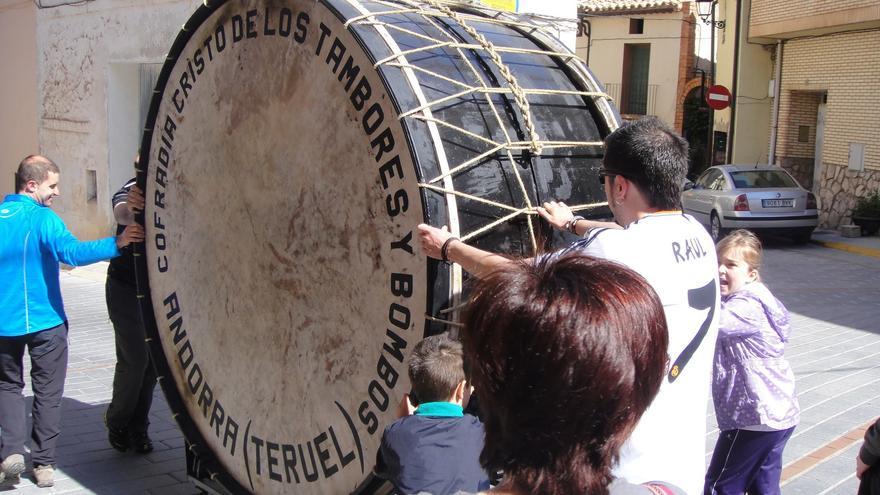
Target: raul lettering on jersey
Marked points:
689	249
699	298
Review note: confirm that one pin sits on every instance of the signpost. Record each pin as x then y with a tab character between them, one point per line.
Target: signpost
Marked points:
718	97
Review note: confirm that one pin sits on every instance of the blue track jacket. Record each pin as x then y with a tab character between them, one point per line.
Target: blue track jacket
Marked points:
33	239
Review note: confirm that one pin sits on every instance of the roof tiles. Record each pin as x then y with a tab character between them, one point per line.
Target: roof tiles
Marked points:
614	6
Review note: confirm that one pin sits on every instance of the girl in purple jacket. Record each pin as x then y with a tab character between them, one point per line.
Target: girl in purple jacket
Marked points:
753	384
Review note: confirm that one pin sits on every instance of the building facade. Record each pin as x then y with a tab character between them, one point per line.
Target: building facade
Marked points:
94	66
643	51
18	97
820	64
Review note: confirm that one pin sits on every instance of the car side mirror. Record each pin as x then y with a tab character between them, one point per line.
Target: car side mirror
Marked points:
689	185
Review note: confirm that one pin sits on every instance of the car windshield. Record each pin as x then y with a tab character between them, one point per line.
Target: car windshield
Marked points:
752	179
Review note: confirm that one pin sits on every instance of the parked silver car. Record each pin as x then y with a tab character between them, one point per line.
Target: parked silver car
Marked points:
754	197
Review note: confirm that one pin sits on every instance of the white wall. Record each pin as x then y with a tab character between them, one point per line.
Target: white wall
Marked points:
83	53
123	125
662	31
18	87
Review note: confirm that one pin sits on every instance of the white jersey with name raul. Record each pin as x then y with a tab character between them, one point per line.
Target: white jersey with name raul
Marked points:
677	257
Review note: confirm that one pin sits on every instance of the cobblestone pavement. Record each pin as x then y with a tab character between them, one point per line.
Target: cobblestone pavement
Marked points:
86	462
833	296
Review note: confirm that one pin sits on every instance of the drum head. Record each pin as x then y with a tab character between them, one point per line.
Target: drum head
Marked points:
282	281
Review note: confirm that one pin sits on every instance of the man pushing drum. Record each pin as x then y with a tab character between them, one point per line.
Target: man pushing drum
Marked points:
643	171
33	239
134	380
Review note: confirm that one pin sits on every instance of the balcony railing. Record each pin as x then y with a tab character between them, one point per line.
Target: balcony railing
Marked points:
643	104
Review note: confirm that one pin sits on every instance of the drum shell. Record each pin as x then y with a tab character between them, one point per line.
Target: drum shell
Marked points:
552	179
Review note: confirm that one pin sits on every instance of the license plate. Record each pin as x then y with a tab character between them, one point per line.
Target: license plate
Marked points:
777	203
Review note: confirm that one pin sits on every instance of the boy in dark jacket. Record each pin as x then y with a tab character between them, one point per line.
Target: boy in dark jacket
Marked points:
436	449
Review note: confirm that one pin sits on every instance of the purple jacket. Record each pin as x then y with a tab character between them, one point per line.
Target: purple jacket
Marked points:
753	383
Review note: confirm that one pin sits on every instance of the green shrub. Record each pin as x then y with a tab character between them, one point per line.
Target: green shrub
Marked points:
868	206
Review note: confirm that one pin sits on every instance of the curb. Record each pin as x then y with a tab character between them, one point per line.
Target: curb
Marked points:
850	248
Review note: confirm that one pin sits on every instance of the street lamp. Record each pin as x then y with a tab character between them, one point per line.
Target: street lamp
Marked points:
709	18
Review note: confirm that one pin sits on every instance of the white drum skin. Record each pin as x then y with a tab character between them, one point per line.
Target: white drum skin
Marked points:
282	283
282	264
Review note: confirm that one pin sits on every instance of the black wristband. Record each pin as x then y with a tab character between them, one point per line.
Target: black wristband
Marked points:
444	250
571	225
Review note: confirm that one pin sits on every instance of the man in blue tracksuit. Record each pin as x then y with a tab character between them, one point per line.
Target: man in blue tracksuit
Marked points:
33	240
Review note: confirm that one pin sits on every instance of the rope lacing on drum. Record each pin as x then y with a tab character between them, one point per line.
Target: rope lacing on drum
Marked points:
478	87
521	101
520	94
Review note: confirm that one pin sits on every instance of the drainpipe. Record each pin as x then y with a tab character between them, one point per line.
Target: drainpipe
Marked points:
710	144
777	90
733	87
589	35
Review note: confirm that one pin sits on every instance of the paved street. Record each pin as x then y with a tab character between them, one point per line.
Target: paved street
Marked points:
832	294
835	351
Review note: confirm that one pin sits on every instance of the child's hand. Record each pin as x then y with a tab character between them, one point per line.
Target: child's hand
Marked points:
861	467
405	408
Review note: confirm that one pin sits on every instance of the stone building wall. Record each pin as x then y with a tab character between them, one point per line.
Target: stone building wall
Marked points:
840	188
78	46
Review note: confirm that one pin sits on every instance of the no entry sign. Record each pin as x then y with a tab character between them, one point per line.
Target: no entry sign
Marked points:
718	97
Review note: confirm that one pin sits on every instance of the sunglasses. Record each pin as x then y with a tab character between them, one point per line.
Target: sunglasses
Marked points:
609	173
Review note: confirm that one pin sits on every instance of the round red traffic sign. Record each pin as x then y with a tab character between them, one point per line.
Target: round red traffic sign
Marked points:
718	97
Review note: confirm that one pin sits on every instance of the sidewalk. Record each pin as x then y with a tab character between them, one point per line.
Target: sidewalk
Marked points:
832	294
86	462
865	246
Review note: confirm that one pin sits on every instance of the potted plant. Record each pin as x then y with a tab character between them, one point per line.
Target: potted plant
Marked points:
866	214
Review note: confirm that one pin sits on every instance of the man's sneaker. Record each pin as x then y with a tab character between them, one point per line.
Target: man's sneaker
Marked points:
11	467
118	438
141	443
12	480
45	476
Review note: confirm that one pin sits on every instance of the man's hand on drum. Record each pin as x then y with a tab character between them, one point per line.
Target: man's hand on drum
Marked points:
473	260
432	239
557	214
132	233
135	200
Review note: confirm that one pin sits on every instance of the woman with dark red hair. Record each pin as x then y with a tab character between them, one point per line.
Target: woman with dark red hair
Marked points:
566	353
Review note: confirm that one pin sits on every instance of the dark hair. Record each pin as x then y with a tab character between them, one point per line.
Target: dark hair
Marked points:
436	368
33	167
651	155
565	354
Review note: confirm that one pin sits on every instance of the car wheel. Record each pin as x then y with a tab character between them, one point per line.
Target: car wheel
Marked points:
715	229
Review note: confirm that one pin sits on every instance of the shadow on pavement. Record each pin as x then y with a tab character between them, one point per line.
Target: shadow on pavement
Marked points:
823	283
87	464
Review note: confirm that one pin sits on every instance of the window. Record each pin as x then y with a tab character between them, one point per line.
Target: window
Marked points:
708	178
636	26
803	134
634	93
755	179
719	183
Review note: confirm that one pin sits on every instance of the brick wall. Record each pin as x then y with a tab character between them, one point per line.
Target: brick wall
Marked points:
765	11
846	67
686	62
796	109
